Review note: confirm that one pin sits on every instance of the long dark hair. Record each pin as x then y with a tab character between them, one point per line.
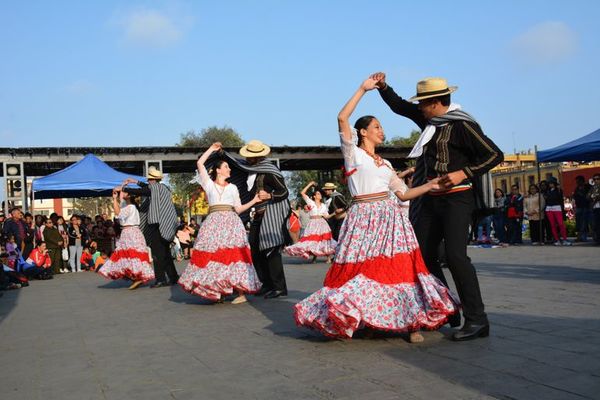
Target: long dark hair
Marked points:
215	167
362	123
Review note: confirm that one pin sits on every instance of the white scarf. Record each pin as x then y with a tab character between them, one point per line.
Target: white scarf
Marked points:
427	134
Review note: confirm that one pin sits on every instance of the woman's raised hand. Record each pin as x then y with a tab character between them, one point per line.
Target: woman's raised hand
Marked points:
216	146
369	84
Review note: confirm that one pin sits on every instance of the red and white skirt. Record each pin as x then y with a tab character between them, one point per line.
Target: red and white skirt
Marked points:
316	241
221	262
378	279
130	260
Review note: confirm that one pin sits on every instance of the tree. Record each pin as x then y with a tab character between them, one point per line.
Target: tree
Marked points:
92	206
404	141
182	188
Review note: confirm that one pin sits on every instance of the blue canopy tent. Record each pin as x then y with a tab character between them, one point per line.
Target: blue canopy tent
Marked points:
89	177
586	148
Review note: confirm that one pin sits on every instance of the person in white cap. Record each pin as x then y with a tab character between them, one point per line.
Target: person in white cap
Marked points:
454	148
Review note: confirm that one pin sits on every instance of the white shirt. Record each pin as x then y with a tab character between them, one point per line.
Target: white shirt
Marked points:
368	177
216	194
129	215
315	211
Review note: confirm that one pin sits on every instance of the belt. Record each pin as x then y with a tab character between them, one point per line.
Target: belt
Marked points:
220	207
371	197
317	217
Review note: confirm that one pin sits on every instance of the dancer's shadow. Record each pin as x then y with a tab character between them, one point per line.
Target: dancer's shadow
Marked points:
8	302
118	284
280	312
178	295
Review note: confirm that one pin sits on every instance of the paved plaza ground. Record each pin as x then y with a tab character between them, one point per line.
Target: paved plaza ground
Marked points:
81	337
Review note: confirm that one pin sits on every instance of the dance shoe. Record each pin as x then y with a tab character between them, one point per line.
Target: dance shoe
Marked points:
276	293
471	331
135	285
239	300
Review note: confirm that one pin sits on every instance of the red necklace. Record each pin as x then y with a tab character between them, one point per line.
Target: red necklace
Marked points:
377	158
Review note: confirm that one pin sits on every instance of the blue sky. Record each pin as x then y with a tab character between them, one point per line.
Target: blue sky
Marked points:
132	73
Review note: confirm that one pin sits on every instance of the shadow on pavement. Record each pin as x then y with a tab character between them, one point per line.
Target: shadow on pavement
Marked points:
543	272
525	357
8	302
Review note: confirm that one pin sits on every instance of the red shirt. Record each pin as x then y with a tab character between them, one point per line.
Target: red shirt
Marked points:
39	259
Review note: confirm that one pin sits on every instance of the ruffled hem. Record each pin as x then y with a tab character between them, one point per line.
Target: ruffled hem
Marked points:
215	279
127	268
308	249
362	302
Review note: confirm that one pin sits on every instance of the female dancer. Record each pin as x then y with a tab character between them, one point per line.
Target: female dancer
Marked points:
221	261
130	260
316	241
378	278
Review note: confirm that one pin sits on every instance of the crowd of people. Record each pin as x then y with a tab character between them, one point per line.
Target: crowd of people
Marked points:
546	209
383	245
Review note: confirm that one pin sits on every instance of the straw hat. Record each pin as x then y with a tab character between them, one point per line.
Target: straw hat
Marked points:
432	87
329	186
255	148
154	173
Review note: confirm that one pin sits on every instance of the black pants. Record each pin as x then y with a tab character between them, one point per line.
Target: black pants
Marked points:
335	225
448	218
161	255
268	263
534	231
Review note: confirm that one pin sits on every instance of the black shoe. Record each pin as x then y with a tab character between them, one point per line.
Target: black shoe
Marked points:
454	320
471	331
264	290
158	285
276	293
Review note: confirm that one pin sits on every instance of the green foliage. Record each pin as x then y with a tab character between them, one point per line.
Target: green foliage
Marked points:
404	141
92	206
226	135
182	188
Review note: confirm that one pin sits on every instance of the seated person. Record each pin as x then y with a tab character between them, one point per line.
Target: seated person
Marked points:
12	279
100	260
87	259
38	264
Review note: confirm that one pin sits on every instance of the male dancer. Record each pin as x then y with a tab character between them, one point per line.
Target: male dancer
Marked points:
158	222
268	230
454	147
336	207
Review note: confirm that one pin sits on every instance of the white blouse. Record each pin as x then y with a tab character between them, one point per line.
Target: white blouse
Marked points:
129	215
366	177
216	194
315	211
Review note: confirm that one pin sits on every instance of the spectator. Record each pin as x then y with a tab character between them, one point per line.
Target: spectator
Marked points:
534	206
15	226
595	200
184	236
554	213
38	264
86	260
583	208
78	237
55	244
499	216
514	214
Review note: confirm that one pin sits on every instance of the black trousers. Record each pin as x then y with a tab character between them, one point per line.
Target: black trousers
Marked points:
268	263
534	231
335	225
161	255
448	218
